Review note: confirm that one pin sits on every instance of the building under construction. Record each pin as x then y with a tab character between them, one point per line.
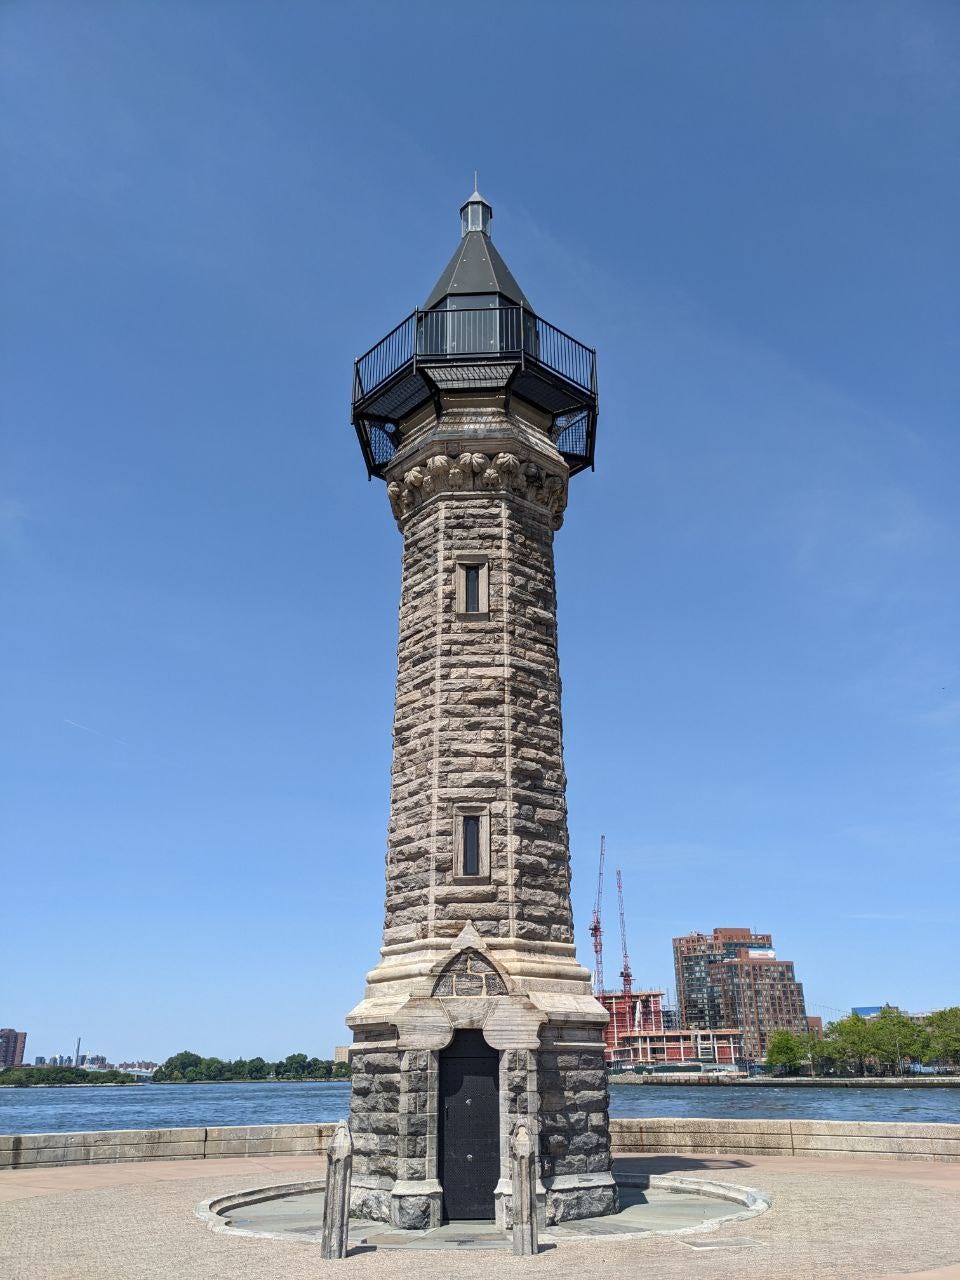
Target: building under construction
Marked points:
636	1035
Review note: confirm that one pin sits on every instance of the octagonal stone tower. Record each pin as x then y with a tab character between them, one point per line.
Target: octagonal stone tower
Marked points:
476	412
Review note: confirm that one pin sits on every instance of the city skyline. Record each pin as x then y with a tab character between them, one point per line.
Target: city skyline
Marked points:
673	1005
757	614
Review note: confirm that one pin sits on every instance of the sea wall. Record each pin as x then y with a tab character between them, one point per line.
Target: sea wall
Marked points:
691	1137
110	1146
727	1079
650	1136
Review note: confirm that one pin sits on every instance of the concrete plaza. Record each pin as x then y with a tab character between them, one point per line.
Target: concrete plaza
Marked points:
854	1218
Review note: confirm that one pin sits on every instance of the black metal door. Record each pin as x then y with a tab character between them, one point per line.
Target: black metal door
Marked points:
469	1126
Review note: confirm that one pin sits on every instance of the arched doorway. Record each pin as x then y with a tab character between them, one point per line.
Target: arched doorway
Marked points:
468	1128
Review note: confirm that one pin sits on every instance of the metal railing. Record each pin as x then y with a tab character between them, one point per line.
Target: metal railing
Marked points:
382	361
476	331
562	354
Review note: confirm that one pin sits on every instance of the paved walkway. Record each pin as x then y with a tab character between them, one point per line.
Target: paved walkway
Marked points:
840	1219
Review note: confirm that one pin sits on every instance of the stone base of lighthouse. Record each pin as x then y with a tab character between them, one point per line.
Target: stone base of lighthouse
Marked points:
517	1022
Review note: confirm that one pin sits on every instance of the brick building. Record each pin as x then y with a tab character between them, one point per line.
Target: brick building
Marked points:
760	994
12	1045
733	978
699	1001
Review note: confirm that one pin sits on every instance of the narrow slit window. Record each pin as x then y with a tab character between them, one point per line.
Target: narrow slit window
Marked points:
471	586
471	844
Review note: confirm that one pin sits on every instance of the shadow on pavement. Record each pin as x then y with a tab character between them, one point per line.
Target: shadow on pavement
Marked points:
638	1165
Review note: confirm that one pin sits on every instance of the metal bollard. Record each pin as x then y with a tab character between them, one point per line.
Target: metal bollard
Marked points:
523	1169
336	1202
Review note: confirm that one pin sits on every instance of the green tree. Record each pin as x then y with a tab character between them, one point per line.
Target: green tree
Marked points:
823	1055
943	1032
176	1067
190	1068
850	1041
341	1071
25	1077
894	1039
293	1067
784	1049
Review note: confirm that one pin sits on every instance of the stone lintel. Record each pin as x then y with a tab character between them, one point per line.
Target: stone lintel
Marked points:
423	1023
373	1013
513	1024
507	1022
570	1008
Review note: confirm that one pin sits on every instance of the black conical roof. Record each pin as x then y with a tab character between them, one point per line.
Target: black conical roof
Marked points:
476	267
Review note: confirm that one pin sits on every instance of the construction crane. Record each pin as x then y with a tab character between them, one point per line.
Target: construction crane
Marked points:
596	932
625	972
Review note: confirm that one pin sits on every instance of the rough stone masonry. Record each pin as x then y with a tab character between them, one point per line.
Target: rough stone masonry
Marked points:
478	932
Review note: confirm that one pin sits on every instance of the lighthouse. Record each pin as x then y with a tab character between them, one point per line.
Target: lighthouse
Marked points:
476	413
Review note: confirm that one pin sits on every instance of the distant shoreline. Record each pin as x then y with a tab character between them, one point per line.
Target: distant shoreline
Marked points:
92	1084
790	1082
267	1080
127	1084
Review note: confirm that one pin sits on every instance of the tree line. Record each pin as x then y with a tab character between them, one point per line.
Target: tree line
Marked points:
25	1077
188	1068
884	1045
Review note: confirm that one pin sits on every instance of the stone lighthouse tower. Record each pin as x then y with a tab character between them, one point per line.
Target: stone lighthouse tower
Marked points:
476	412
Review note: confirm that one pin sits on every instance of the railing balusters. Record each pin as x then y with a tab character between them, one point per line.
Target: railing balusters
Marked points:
475	331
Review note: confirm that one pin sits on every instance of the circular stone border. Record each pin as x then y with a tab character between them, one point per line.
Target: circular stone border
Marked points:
754	1202
212	1212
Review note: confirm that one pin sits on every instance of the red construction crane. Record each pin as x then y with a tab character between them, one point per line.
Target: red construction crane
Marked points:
625	972
596	932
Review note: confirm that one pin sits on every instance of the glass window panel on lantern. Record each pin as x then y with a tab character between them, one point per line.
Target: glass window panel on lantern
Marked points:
474	325
475	216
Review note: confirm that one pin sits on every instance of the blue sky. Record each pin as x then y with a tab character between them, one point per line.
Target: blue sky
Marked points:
211	208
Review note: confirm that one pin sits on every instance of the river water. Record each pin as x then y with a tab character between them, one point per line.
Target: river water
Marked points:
173	1106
